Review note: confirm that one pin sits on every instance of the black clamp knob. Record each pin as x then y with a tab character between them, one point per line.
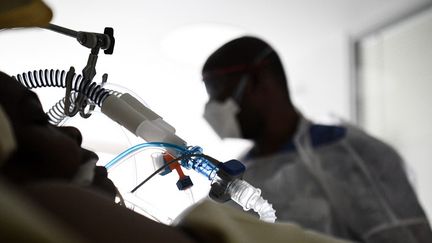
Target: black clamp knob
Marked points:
228	171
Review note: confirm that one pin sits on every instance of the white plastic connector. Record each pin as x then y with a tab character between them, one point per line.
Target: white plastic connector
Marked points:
249	197
140	120
121	112
138	106
158	160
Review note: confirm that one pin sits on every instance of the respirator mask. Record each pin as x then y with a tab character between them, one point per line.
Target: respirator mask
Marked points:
222	115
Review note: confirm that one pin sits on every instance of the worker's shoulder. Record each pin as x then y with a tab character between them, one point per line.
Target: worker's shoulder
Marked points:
357	134
326	134
355	137
365	143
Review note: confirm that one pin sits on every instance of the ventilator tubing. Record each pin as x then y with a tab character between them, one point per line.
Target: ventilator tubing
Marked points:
249	197
140	120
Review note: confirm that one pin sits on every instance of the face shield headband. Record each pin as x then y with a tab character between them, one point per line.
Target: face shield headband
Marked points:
258	61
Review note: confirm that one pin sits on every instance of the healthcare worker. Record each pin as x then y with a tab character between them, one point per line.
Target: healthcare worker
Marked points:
334	179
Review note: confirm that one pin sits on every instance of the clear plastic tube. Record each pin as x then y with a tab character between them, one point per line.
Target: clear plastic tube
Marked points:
189	194
249	197
240	191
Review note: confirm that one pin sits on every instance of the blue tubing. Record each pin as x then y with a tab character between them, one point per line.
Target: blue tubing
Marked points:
200	165
143	145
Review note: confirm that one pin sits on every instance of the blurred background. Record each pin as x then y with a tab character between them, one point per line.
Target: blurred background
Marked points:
367	62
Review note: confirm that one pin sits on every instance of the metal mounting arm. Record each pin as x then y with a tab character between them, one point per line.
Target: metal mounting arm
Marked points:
90	40
95	42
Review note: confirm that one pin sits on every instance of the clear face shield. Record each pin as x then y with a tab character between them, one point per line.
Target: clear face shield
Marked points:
221	115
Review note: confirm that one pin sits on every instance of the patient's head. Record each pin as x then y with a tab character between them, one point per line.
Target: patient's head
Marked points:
44	151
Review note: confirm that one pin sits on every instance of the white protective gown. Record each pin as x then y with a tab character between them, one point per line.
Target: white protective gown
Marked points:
354	187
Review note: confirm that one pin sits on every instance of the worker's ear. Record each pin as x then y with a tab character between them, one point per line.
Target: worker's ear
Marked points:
7	140
255	80
261	81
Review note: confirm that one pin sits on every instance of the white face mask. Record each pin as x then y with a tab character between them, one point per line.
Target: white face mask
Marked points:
222	118
222	115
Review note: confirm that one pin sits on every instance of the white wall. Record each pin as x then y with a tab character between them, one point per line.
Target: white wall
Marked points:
397	81
319	80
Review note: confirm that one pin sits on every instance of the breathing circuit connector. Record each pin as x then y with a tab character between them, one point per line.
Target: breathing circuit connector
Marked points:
228	185
200	164
250	197
228	172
